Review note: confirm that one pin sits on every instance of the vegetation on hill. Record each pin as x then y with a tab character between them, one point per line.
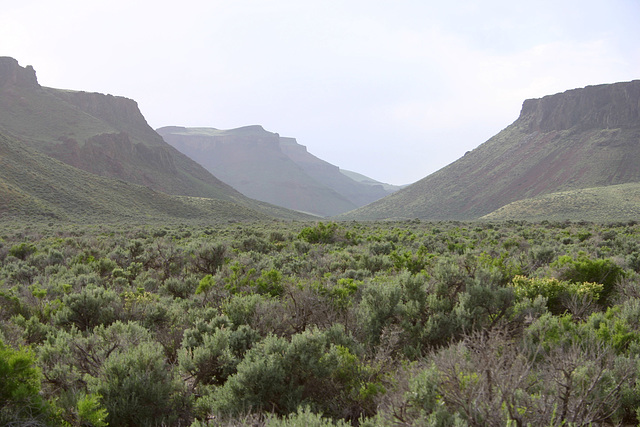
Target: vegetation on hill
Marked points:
106	136
394	323
34	186
578	139
620	202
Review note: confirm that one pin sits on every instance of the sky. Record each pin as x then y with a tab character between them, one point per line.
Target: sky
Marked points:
394	90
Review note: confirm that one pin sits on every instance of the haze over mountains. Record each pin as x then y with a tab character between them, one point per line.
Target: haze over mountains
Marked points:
265	166
77	155
582	138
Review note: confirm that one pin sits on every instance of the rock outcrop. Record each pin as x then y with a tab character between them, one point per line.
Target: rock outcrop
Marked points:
12	74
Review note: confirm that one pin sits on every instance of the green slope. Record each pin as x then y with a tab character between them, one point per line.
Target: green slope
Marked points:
35	186
600	204
577	139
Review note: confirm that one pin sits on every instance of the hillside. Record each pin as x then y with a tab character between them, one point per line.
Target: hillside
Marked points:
36	186
265	166
600	204
582	138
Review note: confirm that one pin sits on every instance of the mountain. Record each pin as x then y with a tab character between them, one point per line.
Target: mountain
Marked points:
101	134
265	166
581	138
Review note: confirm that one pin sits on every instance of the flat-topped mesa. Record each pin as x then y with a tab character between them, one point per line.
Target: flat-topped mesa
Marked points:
12	74
605	106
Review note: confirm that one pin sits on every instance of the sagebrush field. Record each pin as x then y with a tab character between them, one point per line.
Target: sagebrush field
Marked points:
298	323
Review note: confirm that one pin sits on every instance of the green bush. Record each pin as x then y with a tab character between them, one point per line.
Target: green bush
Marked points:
218	354
20	400
138	389
320	233
555	291
583	269
317	367
92	306
23	250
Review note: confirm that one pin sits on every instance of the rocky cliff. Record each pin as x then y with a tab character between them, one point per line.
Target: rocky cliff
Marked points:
581	138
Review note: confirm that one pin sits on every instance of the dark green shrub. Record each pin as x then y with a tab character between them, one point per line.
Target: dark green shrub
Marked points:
137	388
583	269
180	287
318	367
92	306
378	309
320	233
22	250
555	291
270	283
217	354
209	258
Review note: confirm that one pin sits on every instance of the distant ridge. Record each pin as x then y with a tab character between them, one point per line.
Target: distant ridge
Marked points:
265	166
581	138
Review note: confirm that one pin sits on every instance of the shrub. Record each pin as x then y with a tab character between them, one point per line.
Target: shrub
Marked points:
137	387
583	269
555	291
318	367
92	306
20	400
180	287
321	233
22	250
218	354
209	258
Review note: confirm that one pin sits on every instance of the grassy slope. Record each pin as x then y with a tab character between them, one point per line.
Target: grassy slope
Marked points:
107	136
600	204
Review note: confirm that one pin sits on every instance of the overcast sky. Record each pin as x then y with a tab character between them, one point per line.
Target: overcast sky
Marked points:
392	89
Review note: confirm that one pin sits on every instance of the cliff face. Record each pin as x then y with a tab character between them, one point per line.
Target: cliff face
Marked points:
117	111
581	138
594	107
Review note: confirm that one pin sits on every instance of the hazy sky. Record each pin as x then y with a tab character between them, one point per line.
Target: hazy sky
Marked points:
391	89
